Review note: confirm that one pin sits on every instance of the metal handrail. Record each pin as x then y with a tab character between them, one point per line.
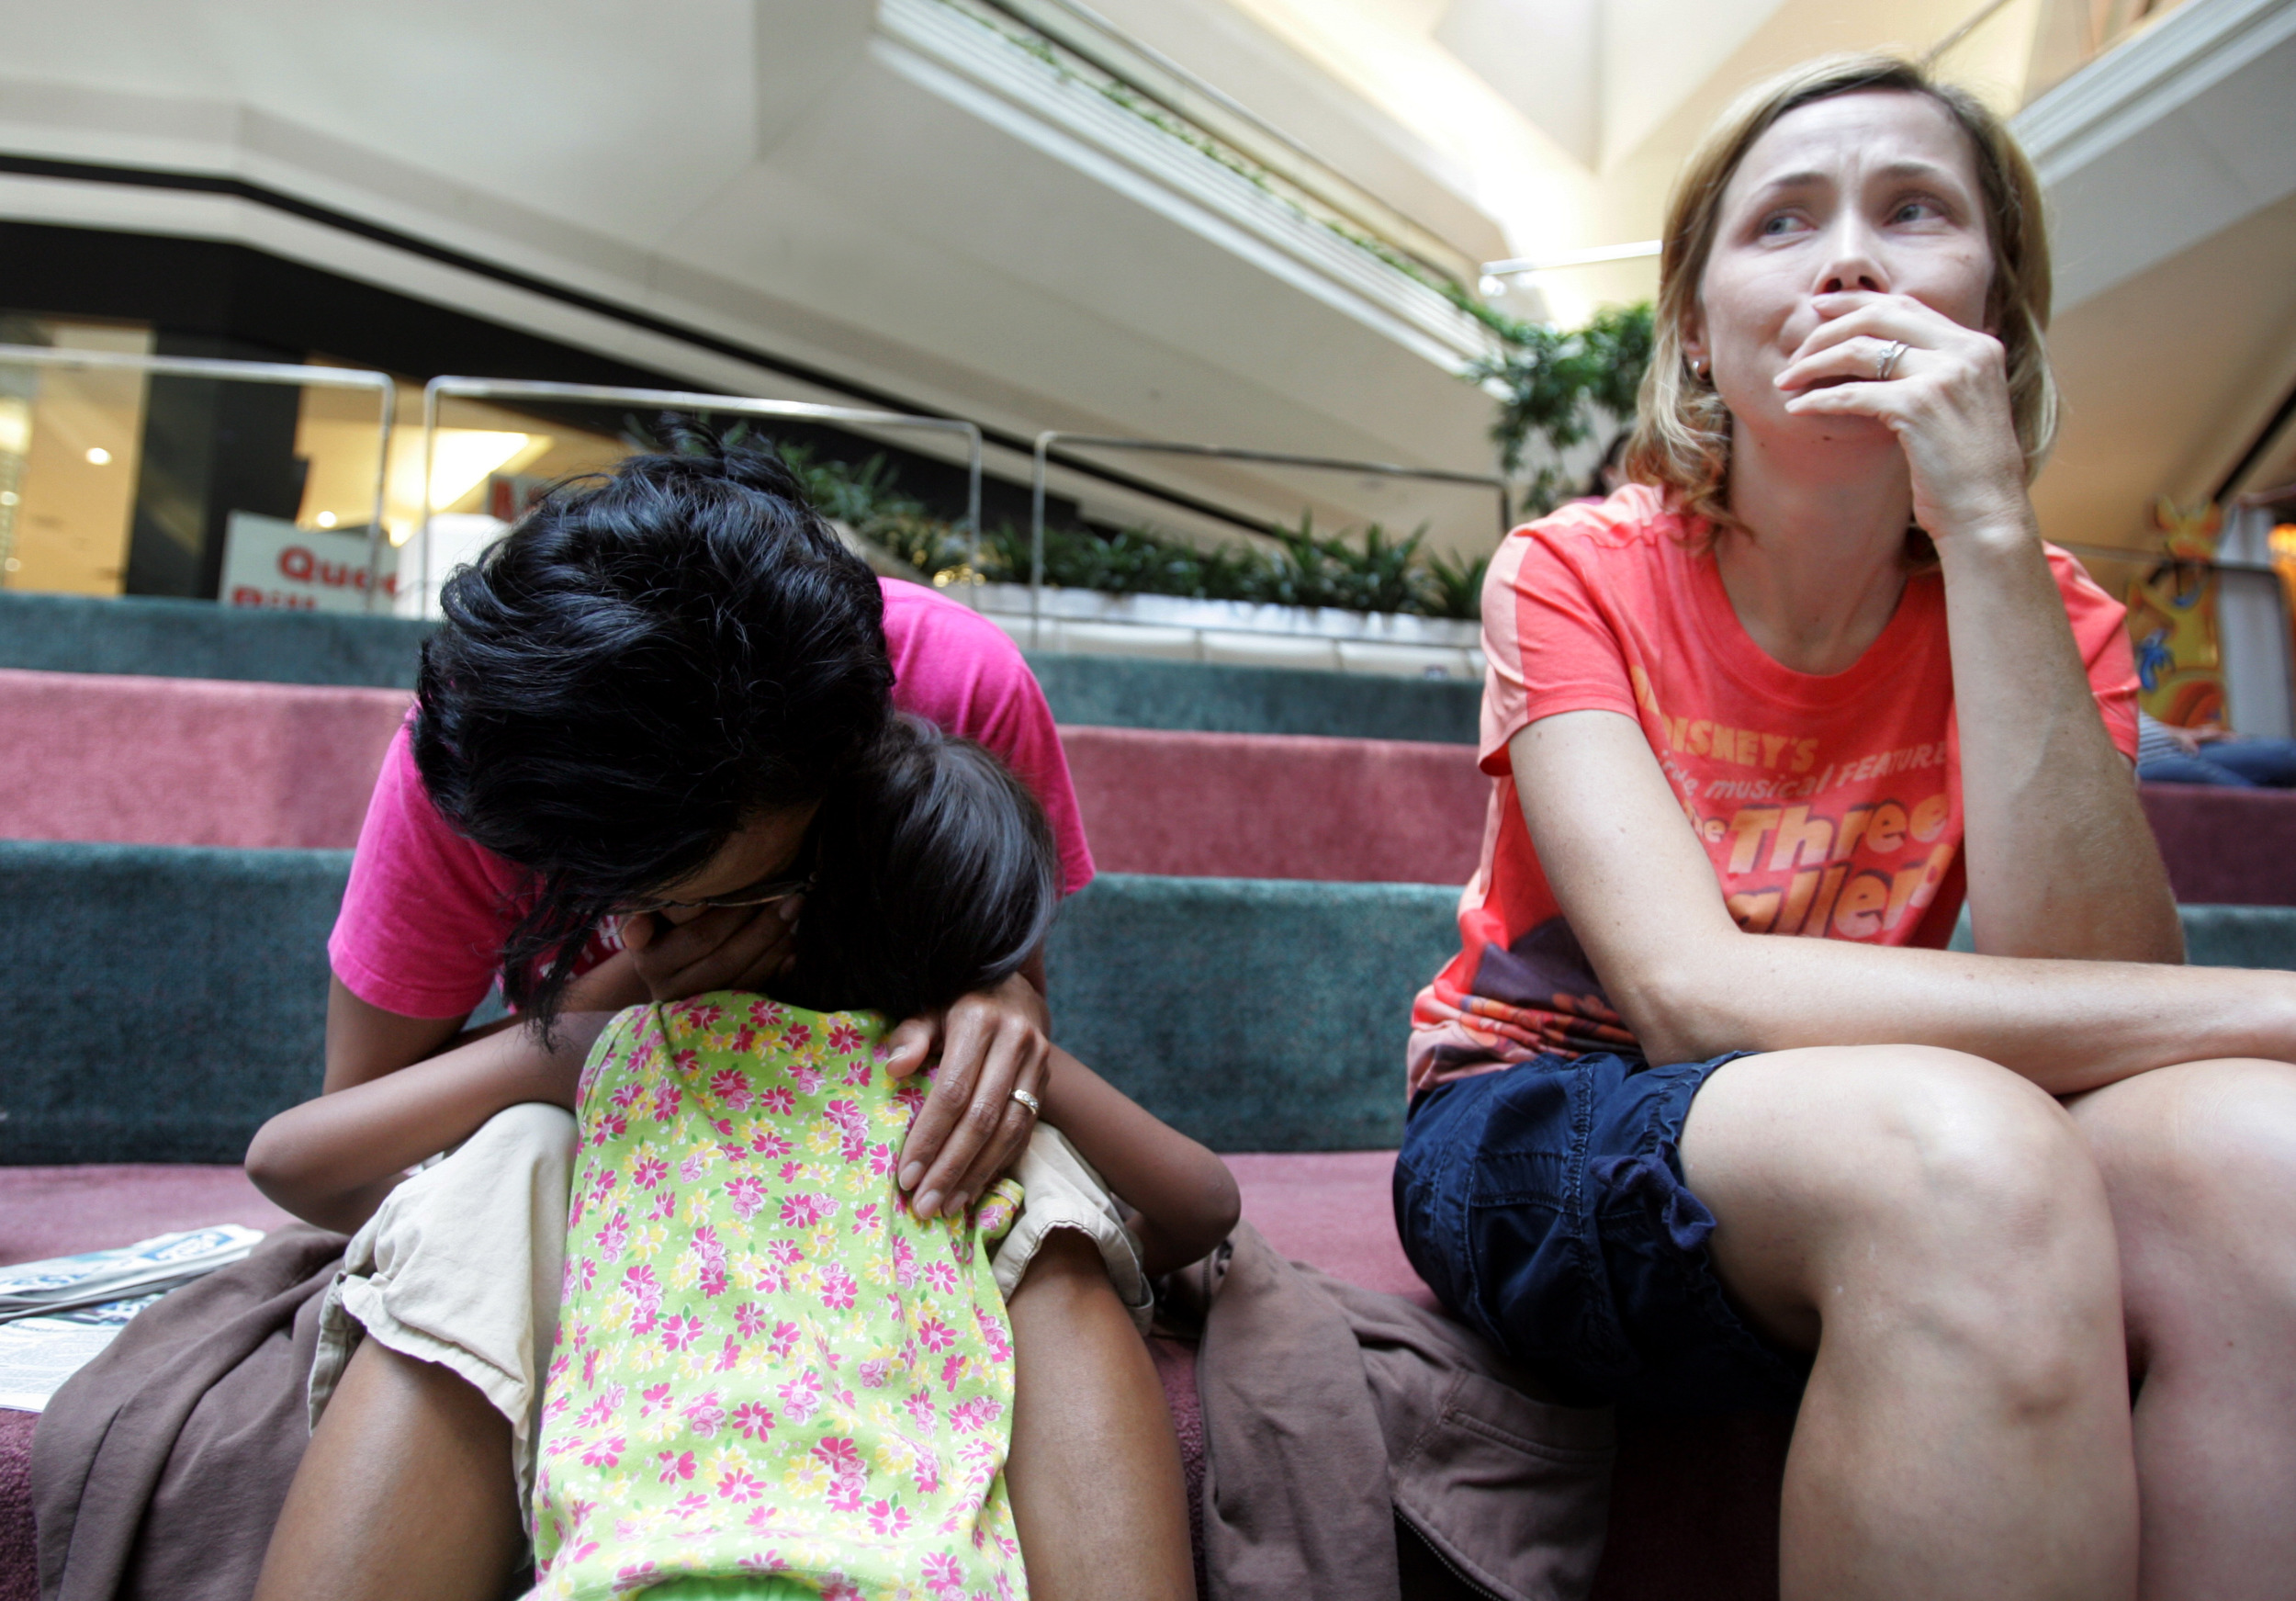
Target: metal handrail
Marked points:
469	388
1092	37
1222	452
2137	556
250	372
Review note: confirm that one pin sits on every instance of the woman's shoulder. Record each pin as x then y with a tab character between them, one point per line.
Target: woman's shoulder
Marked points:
2080	589
1637	520
951	663
1634	535
915	611
943	650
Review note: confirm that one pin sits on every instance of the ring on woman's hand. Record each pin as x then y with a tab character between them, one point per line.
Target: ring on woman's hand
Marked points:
1888	362
1036	1107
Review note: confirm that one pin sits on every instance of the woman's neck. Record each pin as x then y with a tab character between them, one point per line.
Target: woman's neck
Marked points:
1816	573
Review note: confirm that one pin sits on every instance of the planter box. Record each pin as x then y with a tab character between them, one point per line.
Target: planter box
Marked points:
1236	633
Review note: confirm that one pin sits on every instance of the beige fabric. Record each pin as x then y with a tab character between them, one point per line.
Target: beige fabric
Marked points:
462	1264
1059	1189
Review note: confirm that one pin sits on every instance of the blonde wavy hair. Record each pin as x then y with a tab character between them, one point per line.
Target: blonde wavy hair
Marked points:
1681	439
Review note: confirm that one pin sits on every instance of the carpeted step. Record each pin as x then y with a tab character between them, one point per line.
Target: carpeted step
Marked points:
1275	806
132	759
212	762
128	759
169	638
163	1001
156	637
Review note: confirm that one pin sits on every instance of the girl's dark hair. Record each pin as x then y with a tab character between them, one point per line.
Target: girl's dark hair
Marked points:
649	660
935	875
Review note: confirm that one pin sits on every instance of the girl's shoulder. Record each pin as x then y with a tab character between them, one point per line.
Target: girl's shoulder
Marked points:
731	1052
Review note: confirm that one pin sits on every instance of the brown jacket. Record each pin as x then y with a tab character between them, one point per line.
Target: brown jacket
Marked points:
159	1468
1332	1410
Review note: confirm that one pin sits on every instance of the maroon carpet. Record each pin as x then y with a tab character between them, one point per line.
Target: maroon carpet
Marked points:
202	761
188	760
1695	1508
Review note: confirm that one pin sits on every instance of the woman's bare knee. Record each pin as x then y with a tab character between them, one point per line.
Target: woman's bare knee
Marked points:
1917	1185
2199	1136
2200	1163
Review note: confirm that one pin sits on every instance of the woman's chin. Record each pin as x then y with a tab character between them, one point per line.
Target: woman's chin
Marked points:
1830	444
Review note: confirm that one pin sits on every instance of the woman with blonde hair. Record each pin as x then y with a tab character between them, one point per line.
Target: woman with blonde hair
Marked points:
1705	1114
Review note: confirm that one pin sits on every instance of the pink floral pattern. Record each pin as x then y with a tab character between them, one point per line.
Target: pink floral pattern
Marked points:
768	1365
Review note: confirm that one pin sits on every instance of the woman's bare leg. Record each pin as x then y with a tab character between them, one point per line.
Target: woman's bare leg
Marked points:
2199	1162
1097	1491
405	1495
1933	1226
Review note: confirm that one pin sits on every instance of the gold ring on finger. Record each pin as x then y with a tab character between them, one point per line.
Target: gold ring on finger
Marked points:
1036	1107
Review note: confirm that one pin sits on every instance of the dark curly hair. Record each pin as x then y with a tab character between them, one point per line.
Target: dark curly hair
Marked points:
935	876
649	660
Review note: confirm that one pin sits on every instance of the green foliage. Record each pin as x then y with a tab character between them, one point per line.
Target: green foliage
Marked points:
1455	585
1299	568
1555	383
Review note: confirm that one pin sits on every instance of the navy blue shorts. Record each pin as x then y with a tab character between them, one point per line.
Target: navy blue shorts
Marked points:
1544	1204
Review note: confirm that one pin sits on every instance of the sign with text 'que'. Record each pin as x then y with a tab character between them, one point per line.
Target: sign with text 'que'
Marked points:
270	562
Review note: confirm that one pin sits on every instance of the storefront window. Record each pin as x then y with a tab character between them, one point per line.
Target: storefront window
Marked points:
259	493
71	452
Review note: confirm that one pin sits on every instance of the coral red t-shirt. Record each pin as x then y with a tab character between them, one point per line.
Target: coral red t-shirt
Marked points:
1831	806
423	921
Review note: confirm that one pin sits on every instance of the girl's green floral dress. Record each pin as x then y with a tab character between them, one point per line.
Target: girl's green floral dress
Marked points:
772	1379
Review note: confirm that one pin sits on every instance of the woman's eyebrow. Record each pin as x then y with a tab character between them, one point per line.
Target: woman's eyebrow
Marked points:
1927	171
1892	172
1802	180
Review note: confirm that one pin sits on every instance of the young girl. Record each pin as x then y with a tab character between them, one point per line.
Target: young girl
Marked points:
773	1377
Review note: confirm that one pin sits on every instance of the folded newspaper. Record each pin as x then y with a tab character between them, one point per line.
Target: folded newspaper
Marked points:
93	1278
56	1316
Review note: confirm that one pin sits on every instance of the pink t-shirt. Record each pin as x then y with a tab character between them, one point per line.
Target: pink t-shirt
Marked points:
423	921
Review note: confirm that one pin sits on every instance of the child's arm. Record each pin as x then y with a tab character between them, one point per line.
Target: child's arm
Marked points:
1184	1197
331	1161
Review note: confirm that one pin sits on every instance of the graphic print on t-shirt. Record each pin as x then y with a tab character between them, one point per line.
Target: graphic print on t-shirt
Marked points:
1829	807
1848	849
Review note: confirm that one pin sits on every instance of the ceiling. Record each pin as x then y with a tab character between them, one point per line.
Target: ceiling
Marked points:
868	188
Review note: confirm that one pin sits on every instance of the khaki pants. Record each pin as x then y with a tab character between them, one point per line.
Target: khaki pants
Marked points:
463	1263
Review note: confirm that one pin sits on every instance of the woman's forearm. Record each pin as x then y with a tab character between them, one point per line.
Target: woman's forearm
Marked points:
331	1161
2068	1025
2061	861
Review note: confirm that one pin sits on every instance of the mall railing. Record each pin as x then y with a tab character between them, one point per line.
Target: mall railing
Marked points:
1076	29
1046	440
247	372
697	402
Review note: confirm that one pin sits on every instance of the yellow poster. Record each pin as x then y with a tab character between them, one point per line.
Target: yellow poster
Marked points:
2172	621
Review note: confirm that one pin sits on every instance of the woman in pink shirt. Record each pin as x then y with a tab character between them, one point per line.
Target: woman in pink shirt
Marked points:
623	731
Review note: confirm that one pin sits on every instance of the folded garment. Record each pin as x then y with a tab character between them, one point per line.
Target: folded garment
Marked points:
153	1462
1331	1412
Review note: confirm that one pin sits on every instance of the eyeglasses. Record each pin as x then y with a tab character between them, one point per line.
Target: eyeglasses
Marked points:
760	895
765	891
